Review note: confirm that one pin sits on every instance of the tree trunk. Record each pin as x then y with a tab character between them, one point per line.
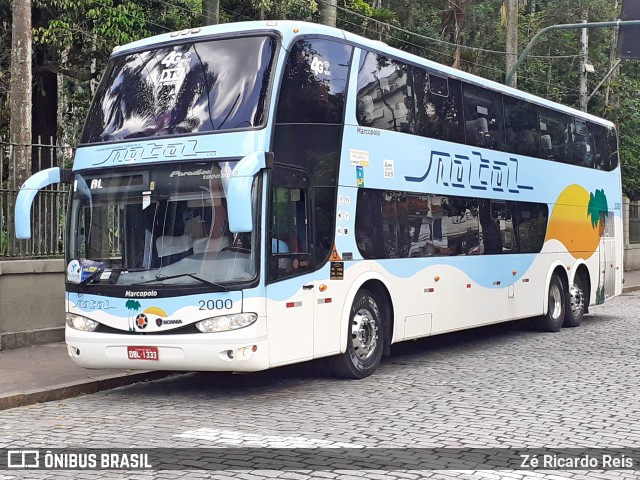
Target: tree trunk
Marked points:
20	88
210	12
20	91
328	12
511	7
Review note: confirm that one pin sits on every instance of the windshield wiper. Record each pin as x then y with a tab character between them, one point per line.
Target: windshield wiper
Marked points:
92	276
160	278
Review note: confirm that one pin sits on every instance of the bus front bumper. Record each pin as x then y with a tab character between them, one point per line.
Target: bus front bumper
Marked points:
197	352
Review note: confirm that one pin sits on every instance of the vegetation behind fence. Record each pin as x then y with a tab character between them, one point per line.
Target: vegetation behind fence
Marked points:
48	214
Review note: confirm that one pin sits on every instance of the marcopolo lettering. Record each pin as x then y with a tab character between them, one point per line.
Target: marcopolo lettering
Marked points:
141	294
368	131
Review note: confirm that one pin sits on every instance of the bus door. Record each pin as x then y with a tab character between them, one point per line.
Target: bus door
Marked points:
290	299
606	283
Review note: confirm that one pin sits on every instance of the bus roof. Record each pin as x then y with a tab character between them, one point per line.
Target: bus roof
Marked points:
290	29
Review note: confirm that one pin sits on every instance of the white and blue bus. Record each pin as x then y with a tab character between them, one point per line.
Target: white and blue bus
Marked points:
257	194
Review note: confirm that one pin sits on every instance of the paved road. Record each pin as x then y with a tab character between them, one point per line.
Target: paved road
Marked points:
499	387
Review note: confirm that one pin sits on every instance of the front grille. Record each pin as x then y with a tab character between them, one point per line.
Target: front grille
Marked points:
186	329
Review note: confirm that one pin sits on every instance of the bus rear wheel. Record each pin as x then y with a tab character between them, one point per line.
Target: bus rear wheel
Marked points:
365	339
576	304
552	321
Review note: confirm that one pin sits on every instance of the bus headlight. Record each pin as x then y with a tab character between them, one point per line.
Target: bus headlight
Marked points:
79	322
225	323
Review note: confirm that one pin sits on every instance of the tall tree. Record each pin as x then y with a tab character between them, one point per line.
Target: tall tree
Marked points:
210	12
511	9
20	91
328	12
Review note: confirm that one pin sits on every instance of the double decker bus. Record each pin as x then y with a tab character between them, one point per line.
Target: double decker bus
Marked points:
256	194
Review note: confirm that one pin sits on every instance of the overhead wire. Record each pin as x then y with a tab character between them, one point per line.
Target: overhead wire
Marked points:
133	16
440	41
385	24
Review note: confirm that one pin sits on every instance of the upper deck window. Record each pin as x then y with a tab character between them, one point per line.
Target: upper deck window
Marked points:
314	82
181	89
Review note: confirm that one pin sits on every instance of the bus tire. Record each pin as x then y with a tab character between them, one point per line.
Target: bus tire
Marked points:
552	321
575	308
365	339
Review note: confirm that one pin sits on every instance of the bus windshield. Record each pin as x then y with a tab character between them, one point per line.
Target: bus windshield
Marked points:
181	89
162	225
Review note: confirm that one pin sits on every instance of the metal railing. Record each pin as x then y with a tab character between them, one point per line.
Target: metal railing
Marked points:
634	222
49	208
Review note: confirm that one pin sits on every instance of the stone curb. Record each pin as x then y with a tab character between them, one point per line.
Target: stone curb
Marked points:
75	389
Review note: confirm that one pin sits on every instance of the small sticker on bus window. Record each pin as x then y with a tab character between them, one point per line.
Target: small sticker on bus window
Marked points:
359	177
146	199
482	110
388	169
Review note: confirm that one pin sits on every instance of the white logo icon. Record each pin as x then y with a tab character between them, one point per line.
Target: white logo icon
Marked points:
23	459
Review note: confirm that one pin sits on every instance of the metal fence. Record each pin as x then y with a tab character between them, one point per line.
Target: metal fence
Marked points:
48	210
634	222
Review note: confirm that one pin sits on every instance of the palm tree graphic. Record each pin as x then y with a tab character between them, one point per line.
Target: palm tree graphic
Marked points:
133	306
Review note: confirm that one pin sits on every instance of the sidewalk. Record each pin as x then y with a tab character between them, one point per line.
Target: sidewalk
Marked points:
44	373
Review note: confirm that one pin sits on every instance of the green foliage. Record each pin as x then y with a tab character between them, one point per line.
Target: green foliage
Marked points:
75	38
625	112
242	10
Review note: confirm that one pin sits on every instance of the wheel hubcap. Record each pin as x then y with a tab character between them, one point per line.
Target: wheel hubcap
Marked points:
364	334
555	302
577	300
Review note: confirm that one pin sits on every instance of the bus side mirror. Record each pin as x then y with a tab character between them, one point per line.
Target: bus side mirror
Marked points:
28	192
239	190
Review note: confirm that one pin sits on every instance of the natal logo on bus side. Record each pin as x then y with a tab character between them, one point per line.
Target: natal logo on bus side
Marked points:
460	171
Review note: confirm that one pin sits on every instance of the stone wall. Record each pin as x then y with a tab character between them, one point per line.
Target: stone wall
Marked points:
31	302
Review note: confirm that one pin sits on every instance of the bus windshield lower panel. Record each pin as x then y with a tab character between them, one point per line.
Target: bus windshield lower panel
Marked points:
162	225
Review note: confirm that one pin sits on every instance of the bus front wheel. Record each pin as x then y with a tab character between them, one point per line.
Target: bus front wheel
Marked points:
553	319
365	339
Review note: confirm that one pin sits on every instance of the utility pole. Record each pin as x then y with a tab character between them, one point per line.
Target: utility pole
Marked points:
328	12
210	12
612	59
585	67
511	7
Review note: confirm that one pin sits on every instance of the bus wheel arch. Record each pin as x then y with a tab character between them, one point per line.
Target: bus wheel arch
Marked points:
553	315
366	331
381	292
577	297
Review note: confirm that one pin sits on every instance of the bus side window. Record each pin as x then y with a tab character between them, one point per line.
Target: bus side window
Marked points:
602	153
612	137
314	82
289	247
582	144
522	127
438	107
483	113
385	94
531	226
555	128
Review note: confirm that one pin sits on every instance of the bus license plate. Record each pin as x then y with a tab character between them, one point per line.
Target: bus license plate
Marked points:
143	353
